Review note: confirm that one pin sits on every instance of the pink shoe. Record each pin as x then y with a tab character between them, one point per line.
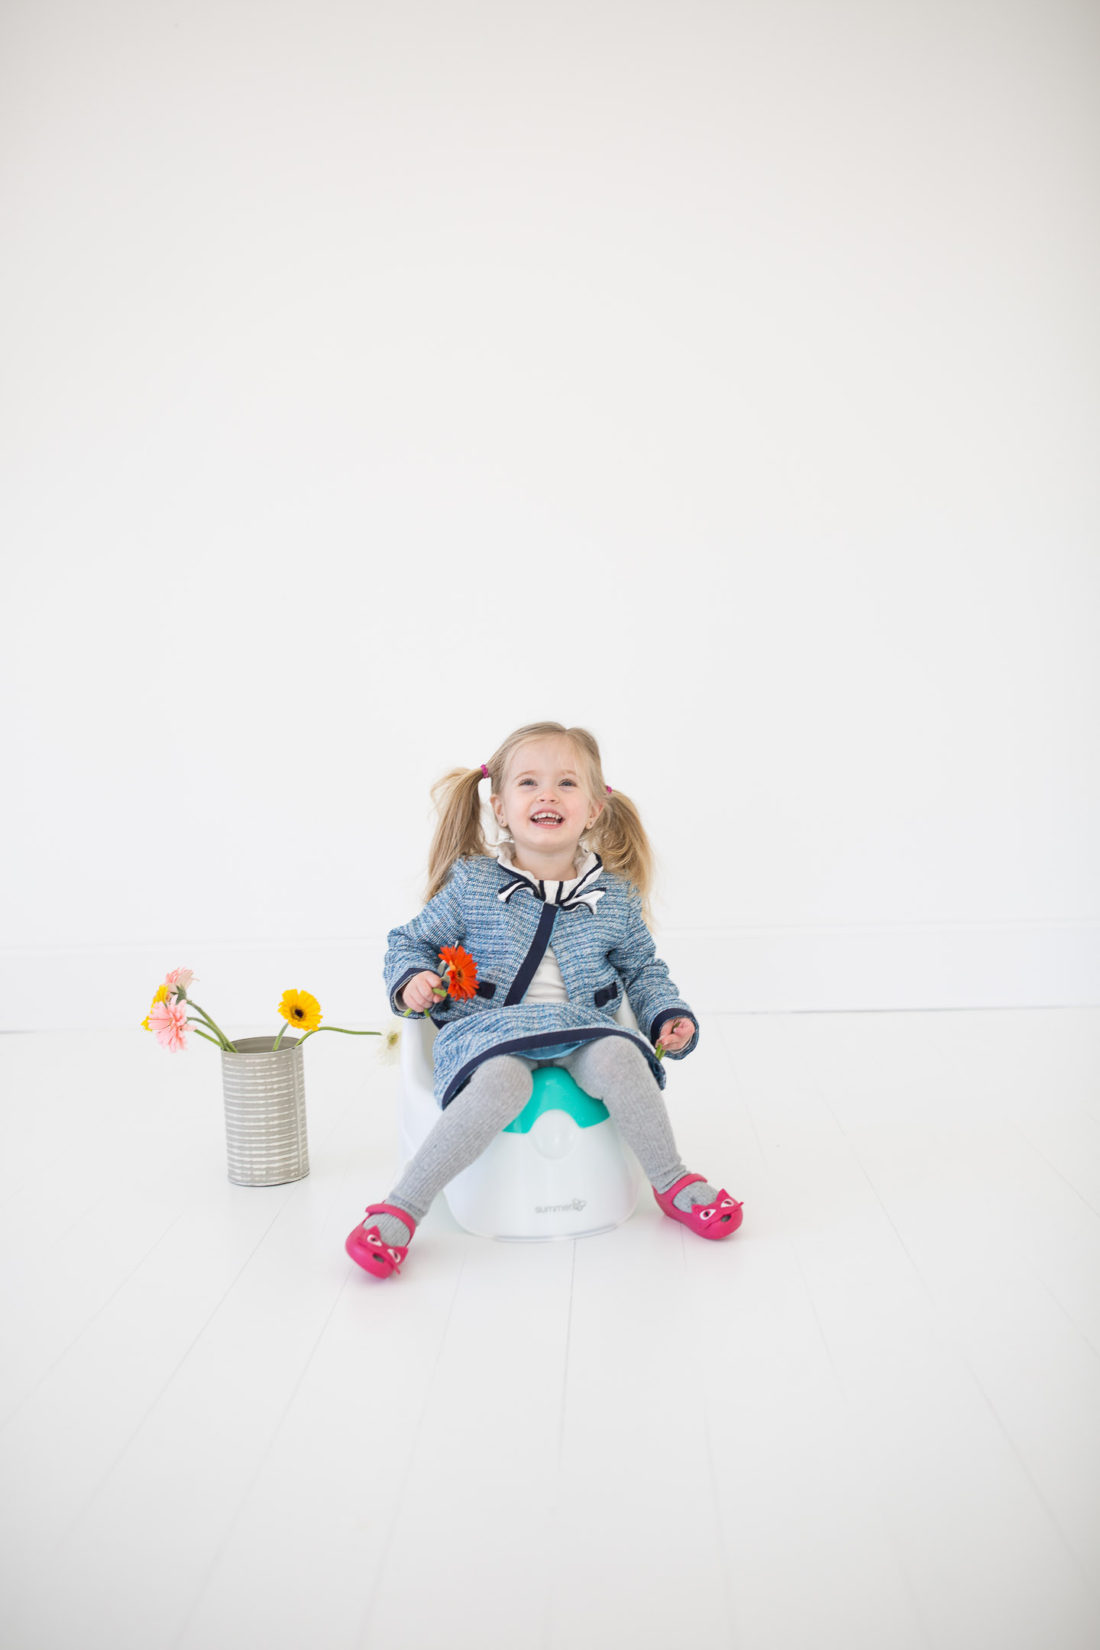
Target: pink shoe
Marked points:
367	1249
719	1219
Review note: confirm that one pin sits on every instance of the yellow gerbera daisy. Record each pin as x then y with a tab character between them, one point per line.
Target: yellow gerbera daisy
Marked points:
299	1009
161	996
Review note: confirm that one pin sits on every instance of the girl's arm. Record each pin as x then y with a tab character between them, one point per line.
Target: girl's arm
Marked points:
653	996
415	947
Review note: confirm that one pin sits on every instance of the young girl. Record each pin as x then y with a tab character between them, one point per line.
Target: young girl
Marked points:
555	920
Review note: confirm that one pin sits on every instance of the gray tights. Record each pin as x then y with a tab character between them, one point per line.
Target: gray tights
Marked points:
610	1069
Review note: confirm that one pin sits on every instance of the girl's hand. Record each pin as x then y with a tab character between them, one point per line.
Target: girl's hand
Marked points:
675	1035
419	994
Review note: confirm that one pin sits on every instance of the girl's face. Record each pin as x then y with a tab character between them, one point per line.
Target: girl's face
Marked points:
542	802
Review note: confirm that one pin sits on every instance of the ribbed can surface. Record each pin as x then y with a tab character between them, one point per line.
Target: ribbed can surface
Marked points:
265	1112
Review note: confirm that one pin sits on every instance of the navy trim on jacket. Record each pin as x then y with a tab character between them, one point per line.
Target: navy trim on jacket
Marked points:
525	1045
534	956
670	1014
395	994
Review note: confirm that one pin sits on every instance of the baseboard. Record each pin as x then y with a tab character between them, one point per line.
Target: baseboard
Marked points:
764	970
887	966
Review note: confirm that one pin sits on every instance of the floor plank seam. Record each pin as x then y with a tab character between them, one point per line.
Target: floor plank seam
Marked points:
101	1484
86	1327
362	1636
549	1612
265	1456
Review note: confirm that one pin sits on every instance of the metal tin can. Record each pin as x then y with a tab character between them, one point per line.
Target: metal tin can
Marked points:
265	1111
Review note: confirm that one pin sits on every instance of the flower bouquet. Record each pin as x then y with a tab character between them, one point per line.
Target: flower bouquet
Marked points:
169	1020
263	1078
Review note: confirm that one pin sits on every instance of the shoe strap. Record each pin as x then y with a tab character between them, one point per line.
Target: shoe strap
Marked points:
390	1209
678	1186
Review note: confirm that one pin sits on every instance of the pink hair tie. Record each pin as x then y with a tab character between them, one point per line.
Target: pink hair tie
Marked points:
485	770
608	788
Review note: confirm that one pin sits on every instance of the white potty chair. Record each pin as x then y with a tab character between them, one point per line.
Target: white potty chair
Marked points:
561	1169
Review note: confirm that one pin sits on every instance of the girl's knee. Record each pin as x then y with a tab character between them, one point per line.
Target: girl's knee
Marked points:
504	1083
506	1068
615	1060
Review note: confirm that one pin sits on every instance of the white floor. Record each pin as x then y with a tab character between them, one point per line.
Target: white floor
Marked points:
869	1421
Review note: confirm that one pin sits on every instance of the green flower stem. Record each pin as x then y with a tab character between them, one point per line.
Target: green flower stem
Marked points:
199	1033
660	1050
279	1038
225	1043
346	1033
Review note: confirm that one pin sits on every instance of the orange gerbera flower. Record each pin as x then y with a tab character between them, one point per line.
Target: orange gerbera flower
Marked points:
461	971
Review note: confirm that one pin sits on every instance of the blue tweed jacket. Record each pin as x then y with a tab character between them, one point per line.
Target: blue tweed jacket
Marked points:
505	921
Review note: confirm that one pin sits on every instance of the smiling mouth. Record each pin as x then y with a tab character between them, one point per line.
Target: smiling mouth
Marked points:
546	819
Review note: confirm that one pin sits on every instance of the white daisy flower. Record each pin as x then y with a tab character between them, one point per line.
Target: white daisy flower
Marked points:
388	1046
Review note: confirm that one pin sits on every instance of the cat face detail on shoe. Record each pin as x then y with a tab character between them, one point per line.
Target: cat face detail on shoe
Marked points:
718	1218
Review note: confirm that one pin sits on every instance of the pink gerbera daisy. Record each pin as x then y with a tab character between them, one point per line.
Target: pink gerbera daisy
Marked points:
179	979
169	1022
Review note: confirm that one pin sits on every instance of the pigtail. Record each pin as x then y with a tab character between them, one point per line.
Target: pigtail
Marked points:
620	839
458	834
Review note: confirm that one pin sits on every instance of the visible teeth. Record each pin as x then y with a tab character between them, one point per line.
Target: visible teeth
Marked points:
536	817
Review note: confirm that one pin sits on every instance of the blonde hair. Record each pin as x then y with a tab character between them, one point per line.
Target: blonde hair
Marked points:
618	835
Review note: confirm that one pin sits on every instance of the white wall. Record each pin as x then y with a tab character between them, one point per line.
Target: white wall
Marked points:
722	378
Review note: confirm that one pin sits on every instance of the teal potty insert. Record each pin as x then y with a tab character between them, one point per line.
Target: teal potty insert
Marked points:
555	1090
